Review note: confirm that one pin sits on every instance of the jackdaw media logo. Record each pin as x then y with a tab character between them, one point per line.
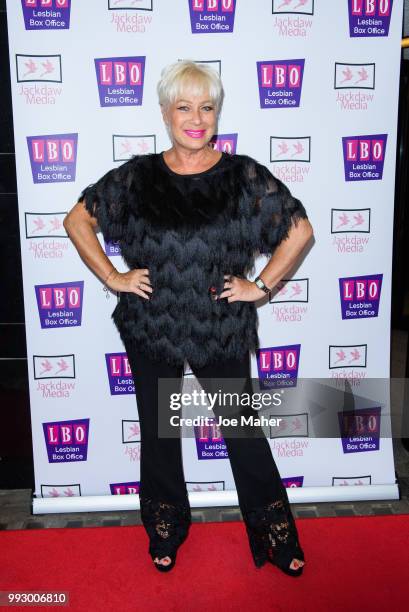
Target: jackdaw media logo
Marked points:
126	146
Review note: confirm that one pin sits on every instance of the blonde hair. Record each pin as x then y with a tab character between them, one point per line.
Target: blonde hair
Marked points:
187	76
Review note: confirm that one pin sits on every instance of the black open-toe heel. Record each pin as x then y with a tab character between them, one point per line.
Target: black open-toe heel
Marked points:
167	526
273	536
160	566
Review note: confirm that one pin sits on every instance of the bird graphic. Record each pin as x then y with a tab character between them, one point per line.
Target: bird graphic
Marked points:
297	289
48	68
348	74
63	365
283	148
285	3
31	67
47	367
39	224
143	146
344	220
358	219
296	423
134	430
355	355
298	149
363	75
126	146
55	224
341	356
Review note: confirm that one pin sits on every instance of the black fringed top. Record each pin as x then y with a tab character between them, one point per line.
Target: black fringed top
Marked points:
189	231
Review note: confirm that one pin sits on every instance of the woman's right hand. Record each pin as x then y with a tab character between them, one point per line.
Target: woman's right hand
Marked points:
135	281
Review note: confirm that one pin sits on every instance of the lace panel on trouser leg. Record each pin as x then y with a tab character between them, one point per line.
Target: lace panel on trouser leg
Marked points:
167	525
272	534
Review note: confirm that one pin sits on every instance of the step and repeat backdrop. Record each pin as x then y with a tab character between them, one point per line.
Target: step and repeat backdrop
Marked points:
312	93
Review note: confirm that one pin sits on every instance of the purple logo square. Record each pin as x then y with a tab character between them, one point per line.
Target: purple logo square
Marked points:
360	429
112	248
53	158
66	441
119	374
364	157
209	441
125	488
360	296
293	481
280	83
212	16
225	142
60	304
46	14
278	366
369	17
120	80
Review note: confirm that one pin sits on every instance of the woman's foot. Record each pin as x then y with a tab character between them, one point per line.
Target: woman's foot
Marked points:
273	537
164	564
296	563
164	561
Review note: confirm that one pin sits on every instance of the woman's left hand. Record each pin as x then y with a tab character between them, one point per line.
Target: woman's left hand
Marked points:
240	289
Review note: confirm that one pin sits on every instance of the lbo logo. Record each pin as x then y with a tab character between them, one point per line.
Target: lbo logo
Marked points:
280	83
60	305
55	4
120	80
37	17
364	157
360	296
66	440
278	366
53	158
212	16
369	17
119	374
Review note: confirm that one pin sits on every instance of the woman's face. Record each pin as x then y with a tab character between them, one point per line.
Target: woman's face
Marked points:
192	121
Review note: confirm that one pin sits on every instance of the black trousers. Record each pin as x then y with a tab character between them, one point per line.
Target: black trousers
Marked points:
254	470
257	479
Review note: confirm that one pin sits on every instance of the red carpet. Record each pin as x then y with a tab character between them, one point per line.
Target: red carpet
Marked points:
352	563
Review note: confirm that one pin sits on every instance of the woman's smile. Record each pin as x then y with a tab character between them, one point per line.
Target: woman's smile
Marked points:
195	133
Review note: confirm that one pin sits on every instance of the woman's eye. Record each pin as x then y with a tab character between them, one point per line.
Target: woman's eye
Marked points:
208	108
183	108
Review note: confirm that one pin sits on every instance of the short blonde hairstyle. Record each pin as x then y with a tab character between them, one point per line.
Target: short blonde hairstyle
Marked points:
188	77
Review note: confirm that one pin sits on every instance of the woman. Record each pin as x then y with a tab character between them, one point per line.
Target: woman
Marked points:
189	222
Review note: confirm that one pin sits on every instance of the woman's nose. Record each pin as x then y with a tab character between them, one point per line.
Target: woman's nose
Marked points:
197	118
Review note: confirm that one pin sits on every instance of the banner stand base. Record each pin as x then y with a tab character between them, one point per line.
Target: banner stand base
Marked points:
296	495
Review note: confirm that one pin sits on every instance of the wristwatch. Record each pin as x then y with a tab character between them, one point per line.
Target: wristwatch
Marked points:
260	284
